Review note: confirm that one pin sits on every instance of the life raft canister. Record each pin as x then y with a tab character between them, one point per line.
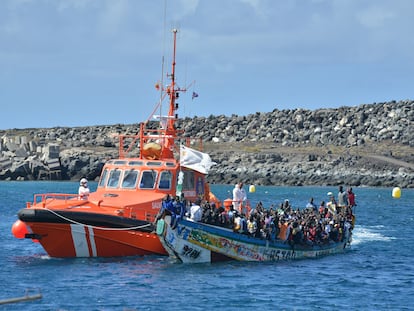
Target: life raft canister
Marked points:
151	151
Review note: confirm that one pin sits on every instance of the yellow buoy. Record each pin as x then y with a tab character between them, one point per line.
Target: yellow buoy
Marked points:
396	193
252	188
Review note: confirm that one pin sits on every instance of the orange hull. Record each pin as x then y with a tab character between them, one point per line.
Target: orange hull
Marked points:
83	241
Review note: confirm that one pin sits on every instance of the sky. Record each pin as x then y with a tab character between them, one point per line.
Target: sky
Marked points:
96	62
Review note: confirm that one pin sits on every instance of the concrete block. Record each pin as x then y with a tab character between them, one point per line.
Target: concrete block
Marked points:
32	146
52	151
21	152
11	146
23	140
53	164
5	163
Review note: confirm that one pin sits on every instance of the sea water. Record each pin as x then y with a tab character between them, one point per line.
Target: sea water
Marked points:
377	273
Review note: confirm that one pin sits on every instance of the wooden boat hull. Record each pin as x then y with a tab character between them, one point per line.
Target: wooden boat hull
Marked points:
70	234
192	242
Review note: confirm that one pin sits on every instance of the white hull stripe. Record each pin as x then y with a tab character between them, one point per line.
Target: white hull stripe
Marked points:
92	241
80	240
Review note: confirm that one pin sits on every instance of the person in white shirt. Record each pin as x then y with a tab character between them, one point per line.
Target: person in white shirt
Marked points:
196	213
83	189
239	196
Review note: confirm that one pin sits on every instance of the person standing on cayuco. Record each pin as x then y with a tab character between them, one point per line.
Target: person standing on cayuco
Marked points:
351	198
342	199
239	196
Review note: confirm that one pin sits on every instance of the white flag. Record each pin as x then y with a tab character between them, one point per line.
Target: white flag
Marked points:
195	160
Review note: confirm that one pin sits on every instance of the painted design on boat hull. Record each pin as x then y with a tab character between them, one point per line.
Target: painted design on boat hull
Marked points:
193	242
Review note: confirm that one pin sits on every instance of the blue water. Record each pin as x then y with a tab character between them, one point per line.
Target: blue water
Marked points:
376	274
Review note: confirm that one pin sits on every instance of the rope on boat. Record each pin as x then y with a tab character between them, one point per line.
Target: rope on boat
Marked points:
96	227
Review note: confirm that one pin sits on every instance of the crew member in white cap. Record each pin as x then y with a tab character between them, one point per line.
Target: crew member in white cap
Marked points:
83	189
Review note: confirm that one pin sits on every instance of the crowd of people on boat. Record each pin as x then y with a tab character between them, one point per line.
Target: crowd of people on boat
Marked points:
331	221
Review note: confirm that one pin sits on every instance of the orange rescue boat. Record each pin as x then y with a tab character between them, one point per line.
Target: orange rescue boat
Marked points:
118	219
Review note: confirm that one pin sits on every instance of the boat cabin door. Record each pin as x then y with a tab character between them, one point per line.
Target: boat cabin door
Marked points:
193	184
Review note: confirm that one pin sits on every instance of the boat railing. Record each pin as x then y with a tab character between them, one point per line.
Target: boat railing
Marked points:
245	206
129	143
47	198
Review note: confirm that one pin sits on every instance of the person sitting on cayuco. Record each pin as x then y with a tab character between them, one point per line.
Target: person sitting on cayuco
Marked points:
252	225
179	207
167	206
231	215
311	206
207	215
178	210
322	209
297	234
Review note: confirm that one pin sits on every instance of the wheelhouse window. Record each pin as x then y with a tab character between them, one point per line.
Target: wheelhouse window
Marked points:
114	176
120	162
135	163
102	181
188	182
130	179
165	180
148	179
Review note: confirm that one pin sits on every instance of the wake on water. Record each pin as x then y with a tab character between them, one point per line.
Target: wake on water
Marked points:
363	234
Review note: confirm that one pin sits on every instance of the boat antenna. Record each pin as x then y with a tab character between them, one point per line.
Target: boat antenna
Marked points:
163	58
172	90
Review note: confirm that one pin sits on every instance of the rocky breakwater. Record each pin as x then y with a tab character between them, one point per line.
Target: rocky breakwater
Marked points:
369	145
58	153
